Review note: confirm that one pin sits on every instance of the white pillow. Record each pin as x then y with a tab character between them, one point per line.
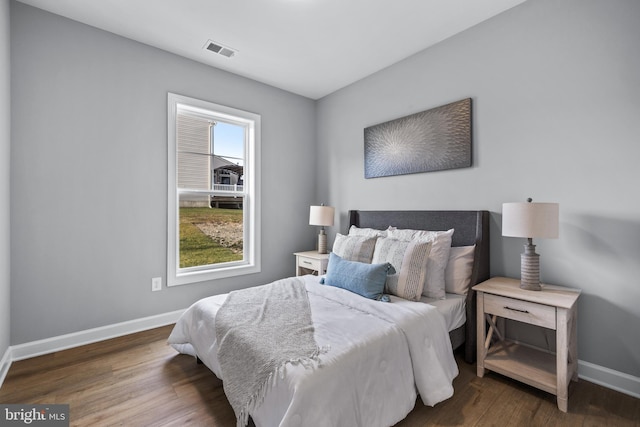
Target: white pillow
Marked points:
457	275
434	286
354	248
368	232
409	258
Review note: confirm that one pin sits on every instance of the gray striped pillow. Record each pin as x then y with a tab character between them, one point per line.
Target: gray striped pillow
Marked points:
434	286
409	258
354	248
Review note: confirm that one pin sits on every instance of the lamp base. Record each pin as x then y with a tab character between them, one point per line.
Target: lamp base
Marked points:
530	268
322	242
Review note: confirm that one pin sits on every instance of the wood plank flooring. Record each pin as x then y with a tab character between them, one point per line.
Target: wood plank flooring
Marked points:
138	380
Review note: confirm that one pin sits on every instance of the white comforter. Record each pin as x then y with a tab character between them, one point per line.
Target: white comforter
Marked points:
379	354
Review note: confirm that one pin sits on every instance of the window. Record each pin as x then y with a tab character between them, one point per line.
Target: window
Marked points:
213	191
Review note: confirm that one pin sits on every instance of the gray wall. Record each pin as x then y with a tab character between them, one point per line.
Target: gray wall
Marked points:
5	137
556	107
89	174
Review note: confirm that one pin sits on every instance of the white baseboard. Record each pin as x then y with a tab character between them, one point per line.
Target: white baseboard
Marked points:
5	364
615	380
89	336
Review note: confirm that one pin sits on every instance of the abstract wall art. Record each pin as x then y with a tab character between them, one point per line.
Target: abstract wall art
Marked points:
432	140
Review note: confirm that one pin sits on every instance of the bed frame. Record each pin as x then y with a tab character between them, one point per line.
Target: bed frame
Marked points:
471	228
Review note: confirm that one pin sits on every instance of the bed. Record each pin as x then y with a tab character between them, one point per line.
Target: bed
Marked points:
374	358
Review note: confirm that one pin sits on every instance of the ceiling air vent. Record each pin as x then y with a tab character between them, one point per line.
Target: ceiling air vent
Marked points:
220	49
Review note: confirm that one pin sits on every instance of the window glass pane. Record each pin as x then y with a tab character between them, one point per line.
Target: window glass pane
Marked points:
210	235
228	143
210	160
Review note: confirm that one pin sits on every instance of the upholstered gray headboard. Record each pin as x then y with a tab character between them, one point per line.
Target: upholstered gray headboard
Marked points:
471	228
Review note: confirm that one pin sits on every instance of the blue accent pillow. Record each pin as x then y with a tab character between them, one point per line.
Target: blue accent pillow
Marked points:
363	279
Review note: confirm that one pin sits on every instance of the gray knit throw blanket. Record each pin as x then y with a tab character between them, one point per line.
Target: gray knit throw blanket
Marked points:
259	330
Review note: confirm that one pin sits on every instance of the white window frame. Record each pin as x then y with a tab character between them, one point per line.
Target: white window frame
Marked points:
251	204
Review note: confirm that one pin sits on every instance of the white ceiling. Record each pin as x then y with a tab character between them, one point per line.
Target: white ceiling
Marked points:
308	47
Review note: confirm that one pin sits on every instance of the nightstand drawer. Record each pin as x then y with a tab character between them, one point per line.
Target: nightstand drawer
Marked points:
310	263
522	311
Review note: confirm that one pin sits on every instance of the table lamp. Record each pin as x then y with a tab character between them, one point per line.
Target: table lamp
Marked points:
323	216
530	220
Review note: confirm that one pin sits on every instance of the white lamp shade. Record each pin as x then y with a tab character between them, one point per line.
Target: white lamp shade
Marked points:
321	215
527	219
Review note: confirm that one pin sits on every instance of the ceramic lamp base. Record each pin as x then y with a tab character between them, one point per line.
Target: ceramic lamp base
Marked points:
322	242
530	268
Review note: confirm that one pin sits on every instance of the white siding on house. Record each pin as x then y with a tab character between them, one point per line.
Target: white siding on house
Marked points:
194	152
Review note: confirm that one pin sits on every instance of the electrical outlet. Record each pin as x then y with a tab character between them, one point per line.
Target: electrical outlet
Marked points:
156	284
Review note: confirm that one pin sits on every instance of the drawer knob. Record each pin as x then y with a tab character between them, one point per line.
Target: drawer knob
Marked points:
306	262
515	309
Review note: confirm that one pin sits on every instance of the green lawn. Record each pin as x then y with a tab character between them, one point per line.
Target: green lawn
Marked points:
196	248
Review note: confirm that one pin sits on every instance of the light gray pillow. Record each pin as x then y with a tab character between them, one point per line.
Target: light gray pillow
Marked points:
368	232
457	275
354	248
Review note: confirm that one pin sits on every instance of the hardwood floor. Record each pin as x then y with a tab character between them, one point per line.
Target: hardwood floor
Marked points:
138	380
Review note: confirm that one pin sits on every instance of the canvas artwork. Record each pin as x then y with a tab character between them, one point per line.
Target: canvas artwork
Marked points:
432	140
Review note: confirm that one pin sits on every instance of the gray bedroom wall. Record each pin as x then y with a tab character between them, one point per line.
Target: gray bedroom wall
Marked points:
89	175
556	103
5	138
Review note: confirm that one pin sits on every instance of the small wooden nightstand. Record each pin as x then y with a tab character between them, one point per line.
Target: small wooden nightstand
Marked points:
311	262
554	307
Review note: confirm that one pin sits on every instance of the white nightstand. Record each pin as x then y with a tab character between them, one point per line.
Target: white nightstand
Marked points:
554	307
311	262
